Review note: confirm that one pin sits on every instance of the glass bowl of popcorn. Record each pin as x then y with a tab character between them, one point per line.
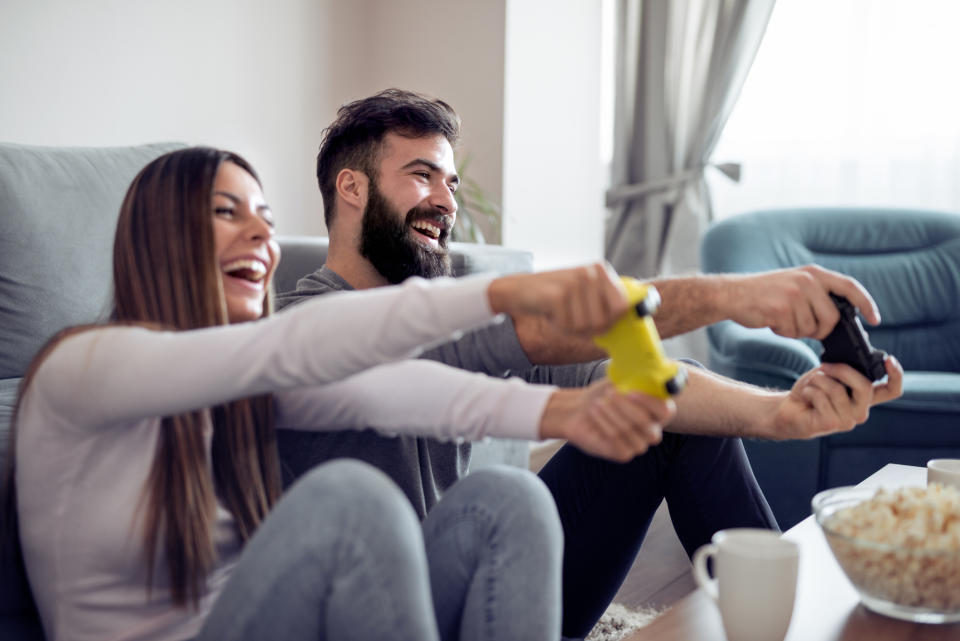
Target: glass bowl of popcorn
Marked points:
899	547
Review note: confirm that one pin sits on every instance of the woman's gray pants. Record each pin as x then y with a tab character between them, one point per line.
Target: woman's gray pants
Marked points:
343	557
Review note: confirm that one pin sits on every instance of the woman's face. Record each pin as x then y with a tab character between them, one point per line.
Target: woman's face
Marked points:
245	247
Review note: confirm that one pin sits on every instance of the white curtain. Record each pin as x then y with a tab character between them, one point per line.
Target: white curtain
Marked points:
679	66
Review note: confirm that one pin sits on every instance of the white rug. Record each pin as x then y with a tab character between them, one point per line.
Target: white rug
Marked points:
619	621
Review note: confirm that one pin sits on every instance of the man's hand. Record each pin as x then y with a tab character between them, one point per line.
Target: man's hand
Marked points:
584	300
819	402
795	302
603	422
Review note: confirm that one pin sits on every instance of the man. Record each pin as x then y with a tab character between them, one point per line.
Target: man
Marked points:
387	176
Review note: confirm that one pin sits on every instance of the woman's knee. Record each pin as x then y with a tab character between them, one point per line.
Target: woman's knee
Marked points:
343	535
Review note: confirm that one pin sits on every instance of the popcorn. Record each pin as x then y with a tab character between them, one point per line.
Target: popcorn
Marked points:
902	546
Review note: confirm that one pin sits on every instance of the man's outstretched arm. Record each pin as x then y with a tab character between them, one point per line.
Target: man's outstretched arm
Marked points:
831	398
792	302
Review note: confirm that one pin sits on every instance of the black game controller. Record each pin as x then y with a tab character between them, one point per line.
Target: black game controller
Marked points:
848	343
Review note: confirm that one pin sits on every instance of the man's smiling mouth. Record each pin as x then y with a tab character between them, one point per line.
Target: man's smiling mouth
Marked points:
427	228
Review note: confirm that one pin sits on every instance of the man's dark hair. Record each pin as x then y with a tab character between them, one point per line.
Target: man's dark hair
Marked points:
355	138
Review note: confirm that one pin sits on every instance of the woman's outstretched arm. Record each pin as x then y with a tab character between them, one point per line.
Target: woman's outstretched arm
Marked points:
429	399
113	375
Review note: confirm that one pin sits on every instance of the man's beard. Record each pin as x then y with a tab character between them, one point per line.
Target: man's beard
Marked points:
386	241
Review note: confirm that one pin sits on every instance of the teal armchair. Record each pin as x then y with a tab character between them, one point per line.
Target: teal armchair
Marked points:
910	262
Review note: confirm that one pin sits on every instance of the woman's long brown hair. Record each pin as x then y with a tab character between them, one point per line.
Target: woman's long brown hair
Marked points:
165	272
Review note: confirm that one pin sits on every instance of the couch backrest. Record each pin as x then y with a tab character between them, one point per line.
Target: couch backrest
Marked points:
58	210
301	255
909	260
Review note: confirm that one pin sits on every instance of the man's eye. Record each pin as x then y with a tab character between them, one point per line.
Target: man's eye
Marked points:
422	174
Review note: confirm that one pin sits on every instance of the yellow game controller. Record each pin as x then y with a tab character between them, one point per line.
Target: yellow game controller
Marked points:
637	361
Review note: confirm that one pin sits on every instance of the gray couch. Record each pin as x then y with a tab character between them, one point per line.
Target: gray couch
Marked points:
58	209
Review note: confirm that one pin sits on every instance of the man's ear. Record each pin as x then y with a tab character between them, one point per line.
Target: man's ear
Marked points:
352	186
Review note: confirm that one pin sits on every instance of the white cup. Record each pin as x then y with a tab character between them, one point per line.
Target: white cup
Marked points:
755	584
945	471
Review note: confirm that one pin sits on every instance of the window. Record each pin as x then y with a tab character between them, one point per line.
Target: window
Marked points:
849	102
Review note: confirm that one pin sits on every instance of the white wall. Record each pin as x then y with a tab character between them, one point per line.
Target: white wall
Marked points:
264	78
247	75
553	178
450	49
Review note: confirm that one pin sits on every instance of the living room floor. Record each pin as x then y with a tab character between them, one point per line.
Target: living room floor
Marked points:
661	574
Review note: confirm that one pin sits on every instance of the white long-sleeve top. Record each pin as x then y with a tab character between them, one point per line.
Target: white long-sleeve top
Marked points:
88	426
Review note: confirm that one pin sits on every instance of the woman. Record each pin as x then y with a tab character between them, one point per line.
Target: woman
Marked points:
146	461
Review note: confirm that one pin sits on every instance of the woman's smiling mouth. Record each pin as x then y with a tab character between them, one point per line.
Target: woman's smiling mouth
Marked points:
247	270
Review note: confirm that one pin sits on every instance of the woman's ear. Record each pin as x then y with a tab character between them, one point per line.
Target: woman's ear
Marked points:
352	186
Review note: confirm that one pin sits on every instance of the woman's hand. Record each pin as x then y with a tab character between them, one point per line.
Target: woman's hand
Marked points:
603	422
585	300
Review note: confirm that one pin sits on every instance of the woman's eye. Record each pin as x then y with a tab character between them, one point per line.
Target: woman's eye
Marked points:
226	212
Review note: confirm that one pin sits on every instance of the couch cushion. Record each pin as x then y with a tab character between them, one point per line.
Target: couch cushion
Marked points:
301	255
470	258
58	209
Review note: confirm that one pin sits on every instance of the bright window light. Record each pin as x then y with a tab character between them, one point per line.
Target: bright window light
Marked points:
849	102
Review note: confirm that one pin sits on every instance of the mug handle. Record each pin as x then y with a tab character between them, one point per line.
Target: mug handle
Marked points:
700	575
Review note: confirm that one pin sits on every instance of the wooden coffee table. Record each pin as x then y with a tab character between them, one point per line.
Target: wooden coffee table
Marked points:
827	607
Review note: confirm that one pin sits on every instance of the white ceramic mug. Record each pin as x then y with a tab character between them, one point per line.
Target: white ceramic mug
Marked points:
755	584
945	471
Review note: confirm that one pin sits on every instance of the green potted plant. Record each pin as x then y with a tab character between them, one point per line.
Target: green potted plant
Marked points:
474	210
